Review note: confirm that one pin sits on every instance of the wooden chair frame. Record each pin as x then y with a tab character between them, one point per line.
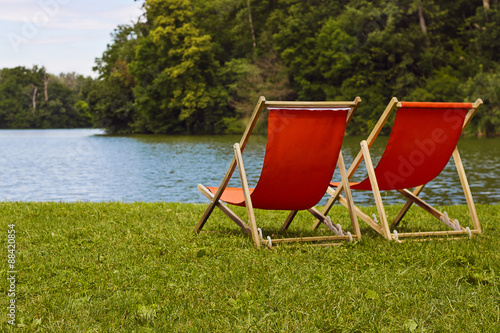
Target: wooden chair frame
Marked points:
237	161
382	227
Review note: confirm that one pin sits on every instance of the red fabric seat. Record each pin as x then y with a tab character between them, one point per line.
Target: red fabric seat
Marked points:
420	145
302	148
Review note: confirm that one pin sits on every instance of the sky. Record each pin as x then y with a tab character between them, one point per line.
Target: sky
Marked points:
64	36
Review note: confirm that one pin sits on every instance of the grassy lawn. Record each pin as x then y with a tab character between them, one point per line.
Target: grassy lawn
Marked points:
116	267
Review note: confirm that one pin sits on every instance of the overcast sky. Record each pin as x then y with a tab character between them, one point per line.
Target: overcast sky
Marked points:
62	35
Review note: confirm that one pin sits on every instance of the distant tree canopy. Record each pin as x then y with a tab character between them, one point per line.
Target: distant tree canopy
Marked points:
33	98
198	66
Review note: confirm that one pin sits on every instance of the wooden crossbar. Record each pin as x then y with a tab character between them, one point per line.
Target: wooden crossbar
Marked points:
308	239
436	233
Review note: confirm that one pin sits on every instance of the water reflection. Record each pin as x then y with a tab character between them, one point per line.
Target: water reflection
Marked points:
79	165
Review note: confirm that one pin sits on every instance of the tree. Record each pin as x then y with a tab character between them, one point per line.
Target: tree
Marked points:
22	107
178	80
111	98
196	66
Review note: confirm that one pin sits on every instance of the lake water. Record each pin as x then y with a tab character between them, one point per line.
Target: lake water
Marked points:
81	165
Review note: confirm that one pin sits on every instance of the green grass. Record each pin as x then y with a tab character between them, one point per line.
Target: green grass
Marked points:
116	267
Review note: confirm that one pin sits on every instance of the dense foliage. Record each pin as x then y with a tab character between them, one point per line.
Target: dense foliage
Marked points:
32	98
198	66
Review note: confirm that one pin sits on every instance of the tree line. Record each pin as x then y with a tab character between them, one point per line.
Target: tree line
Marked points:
33	98
198	66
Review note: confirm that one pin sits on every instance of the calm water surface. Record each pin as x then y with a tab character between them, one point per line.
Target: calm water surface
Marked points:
80	165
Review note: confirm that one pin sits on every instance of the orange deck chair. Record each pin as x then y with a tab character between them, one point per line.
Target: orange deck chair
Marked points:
302	151
423	138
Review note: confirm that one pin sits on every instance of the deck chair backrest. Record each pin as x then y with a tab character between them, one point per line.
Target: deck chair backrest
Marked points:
302	148
421	142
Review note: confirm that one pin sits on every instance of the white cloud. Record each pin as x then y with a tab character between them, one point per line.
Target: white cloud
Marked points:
18	11
57	40
80	24
10	2
123	14
71	18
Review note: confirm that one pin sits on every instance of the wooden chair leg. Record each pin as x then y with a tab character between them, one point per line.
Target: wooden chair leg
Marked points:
316	213
246	194
205	216
406	207
329	204
226	210
348	195
289	220
375	190
466	188
431	210
362	215
421	203
216	196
